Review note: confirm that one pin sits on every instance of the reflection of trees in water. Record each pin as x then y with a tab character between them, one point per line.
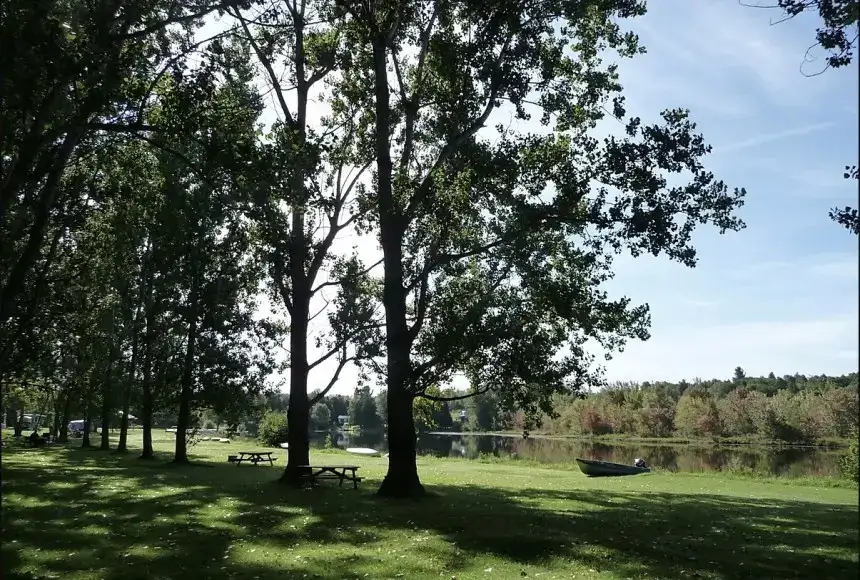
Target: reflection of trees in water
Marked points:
791	462
435	445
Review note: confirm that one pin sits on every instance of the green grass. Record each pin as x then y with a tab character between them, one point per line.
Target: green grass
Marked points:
73	514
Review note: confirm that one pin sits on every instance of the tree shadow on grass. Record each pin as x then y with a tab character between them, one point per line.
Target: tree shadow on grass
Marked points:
109	516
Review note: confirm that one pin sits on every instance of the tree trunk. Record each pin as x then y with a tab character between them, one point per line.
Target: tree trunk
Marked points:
122	445
183	421
19	421
401	480
146	423
67	416
148	405
87	427
297	411
59	403
107	406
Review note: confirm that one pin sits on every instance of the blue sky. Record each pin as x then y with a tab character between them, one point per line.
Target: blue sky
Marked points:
782	295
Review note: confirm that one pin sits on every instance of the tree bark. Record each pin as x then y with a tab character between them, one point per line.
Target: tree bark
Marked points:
19	420
59	403
297	411
147	407
146	420
107	406
122	445
87	426
67	416
401	480
183	421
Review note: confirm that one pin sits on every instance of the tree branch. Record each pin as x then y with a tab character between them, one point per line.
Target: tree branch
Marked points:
454	144
267	64
340	365
170	21
343	281
343	342
457	398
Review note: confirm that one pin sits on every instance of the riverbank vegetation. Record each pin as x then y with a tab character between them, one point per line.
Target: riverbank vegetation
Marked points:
790	409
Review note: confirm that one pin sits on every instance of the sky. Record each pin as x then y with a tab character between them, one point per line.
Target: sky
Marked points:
782	295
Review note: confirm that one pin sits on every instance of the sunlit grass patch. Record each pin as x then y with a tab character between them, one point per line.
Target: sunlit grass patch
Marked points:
71	513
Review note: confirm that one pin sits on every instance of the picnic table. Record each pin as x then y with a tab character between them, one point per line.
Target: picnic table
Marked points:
339	472
255	457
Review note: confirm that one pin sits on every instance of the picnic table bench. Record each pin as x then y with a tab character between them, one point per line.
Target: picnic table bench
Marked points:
255	457
339	472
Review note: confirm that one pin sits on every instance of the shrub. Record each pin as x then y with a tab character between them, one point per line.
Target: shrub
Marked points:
849	463
273	428
592	423
696	415
655	422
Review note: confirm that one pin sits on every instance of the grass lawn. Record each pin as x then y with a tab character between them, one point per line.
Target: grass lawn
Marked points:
73	514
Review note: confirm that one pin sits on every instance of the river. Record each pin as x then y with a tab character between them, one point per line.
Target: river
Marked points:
779	461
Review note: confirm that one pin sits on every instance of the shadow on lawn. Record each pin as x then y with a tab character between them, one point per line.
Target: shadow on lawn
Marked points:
87	513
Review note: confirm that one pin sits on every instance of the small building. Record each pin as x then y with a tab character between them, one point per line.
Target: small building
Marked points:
343	420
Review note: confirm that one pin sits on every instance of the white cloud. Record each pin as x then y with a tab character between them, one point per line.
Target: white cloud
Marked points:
763	138
841	269
701	303
835	265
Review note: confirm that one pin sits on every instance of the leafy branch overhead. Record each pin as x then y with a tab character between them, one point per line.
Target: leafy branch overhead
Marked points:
507	238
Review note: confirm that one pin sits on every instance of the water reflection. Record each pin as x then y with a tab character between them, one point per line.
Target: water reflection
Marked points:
788	462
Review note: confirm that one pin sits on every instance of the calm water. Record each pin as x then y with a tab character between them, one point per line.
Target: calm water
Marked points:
789	462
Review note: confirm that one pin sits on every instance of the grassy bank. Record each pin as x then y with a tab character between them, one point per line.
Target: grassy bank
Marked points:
72	513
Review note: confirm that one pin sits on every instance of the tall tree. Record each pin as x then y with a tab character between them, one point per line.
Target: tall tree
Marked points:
310	191
495	246
70	69
208	117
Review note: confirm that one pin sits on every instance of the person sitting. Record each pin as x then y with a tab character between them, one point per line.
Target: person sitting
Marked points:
35	439
639	462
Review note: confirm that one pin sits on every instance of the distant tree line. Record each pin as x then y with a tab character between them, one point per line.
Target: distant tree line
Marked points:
791	408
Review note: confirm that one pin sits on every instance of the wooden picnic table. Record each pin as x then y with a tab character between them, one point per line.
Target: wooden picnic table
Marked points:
255	457
339	472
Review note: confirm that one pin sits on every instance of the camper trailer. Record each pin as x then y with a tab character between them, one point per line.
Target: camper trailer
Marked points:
76	428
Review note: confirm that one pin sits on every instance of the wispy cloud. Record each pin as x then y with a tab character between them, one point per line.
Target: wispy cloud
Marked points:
839	269
805	346
763	138
827	265
701	303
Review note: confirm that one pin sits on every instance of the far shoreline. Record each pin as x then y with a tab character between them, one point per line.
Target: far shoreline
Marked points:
656	441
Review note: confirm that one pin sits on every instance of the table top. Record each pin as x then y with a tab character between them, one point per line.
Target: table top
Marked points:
255	452
331	466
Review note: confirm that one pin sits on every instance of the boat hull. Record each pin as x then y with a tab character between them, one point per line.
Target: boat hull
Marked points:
594	468
363	451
